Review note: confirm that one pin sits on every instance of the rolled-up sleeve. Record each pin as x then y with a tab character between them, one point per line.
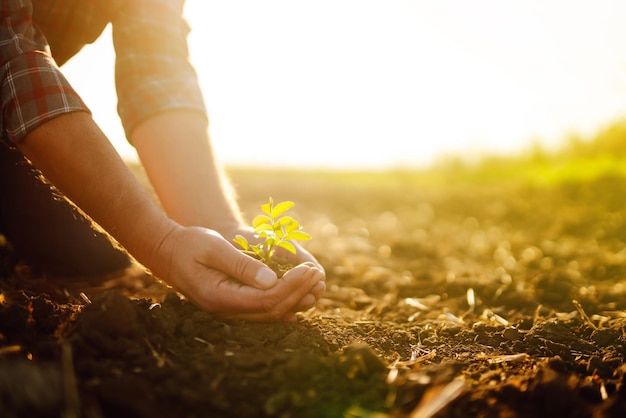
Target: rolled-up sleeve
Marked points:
32	88
153	73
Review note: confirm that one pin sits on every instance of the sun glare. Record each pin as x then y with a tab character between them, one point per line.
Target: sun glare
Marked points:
375	84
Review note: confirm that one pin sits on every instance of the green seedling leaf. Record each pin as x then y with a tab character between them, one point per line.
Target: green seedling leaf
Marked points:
287	246
275	231
258	251
264	234
267	208
291	226
263	227
260	220
281	208
242	241
298	236
285	220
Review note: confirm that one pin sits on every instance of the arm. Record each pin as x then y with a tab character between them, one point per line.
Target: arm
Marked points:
164	116
76	157
72	154
57	134
175	150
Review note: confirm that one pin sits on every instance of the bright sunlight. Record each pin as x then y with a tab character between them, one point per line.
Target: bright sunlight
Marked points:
372	84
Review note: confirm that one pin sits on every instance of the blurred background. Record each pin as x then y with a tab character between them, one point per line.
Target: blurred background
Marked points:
361	84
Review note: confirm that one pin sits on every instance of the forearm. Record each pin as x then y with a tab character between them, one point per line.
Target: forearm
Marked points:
175	150
75	156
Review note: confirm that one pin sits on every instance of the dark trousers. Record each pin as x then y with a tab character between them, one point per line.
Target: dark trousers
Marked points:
46	230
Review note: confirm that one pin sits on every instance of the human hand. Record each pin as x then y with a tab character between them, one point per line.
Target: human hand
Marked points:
216	276
300	256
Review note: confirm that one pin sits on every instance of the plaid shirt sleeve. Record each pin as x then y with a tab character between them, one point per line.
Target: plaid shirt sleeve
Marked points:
32	88
153	73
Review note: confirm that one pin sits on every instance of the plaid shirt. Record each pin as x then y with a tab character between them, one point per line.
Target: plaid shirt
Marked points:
152	71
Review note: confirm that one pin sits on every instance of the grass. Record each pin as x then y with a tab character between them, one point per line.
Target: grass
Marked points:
578	160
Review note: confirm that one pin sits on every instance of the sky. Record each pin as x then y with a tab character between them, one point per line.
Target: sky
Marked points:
383	84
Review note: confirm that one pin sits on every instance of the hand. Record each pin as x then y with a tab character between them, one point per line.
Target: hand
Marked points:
216	276
301	255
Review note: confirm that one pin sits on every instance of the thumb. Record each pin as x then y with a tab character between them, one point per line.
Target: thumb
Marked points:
265	277
247	269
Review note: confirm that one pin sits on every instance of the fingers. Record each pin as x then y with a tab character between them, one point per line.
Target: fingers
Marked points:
301	256
310	299
298	283
295	292
233	262
252	271
318	290
307	302
221	279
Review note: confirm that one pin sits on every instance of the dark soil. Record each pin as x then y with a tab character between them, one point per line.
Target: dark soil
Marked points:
469	301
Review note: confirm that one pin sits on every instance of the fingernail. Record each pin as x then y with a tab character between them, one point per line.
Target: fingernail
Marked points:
266	278
320	288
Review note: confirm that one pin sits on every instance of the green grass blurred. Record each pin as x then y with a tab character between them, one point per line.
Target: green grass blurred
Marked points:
577	160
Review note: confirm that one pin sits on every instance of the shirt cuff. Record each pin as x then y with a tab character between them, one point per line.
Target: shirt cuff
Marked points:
153	96
33	91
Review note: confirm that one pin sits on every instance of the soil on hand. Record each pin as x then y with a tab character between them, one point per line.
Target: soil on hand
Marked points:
490	301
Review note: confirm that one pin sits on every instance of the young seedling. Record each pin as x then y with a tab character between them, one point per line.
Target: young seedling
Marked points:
275	229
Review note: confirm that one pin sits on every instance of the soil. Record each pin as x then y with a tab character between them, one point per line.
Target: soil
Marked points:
498	300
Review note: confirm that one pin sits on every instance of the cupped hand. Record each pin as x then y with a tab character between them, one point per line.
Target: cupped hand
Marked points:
301	255
217	277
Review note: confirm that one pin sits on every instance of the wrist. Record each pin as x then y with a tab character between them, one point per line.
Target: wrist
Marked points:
144	239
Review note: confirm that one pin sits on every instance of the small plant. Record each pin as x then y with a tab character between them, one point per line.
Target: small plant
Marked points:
276	231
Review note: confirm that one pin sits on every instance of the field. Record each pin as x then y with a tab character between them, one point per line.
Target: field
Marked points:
451	293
